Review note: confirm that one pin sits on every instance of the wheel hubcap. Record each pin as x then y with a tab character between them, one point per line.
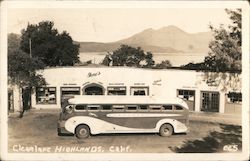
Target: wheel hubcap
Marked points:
83	132
166	131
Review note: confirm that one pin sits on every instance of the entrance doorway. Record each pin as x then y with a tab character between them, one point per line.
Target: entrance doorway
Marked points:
26	96
10	101
93	89
210	101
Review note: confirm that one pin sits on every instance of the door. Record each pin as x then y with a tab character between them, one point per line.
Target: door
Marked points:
26	95
10	101
93	89
210	101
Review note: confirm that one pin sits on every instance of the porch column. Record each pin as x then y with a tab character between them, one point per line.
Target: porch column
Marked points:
197	107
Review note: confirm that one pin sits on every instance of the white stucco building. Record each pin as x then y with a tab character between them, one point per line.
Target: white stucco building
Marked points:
218	94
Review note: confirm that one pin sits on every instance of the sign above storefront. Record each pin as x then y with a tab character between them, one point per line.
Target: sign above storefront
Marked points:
139	84
69	84
213	82
157	82
93	74
189	87
70	89
116	84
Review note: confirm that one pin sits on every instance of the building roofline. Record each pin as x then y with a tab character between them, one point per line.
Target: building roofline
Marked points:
148	69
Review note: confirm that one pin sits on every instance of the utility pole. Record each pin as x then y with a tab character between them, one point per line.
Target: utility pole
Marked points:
30	89
30	47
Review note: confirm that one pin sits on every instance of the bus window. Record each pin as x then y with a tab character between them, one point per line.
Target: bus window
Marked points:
106	107
167	107
131	108
178	108
93	107
81	107
143	107
155	107
118	107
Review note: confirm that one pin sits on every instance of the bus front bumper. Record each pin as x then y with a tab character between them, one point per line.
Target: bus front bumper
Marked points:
61	129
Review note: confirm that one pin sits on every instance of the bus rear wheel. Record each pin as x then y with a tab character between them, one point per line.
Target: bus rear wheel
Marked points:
82	131
166	130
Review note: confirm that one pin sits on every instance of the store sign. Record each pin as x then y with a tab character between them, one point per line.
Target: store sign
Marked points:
90	74
157	82
116	83
212	82
71	89
139	84
116	88
69	84
189	87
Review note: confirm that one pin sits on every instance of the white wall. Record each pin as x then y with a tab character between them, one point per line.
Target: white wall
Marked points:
160	82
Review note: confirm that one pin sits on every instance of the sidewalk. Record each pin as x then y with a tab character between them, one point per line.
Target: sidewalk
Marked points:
34	111
216	118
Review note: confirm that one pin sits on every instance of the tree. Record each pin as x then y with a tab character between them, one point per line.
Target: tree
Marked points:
149	60
107	60
13	42
225	50
163	65
224	60
129	56
53	48
22	68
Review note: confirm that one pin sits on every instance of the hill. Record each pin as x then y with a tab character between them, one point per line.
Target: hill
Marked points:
168	39
108	47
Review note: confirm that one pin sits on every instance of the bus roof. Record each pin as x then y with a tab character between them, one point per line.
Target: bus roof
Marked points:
100	99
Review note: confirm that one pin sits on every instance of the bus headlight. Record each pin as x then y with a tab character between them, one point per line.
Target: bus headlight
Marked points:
69	109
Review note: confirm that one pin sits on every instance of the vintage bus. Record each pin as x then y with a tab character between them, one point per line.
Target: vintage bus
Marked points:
89	115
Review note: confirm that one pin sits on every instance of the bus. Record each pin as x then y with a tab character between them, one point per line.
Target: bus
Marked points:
90	115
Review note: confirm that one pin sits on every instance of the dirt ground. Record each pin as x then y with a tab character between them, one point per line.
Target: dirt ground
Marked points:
37	132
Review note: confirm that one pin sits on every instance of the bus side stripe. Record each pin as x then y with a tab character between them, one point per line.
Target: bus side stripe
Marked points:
117	115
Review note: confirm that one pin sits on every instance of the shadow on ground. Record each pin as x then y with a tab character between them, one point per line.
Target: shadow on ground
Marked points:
229	135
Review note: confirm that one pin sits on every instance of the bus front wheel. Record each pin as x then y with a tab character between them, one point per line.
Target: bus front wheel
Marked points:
82	131
166	130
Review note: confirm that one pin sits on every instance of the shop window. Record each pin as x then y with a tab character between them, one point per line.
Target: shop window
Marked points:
139	91
116	90
69	92
46	95
186	95
234	97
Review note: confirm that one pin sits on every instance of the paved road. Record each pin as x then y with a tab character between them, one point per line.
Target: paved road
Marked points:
36	132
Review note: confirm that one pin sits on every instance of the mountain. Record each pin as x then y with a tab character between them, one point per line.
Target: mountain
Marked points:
106	47
170	39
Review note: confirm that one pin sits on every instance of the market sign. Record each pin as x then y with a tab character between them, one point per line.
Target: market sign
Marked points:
157	82
70	89
93	74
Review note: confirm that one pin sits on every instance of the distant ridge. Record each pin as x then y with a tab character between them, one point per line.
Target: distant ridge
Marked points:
170	39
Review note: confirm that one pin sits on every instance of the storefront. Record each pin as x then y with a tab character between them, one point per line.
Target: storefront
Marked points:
65	82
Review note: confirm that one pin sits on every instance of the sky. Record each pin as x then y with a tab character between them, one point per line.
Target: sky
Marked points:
113	24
